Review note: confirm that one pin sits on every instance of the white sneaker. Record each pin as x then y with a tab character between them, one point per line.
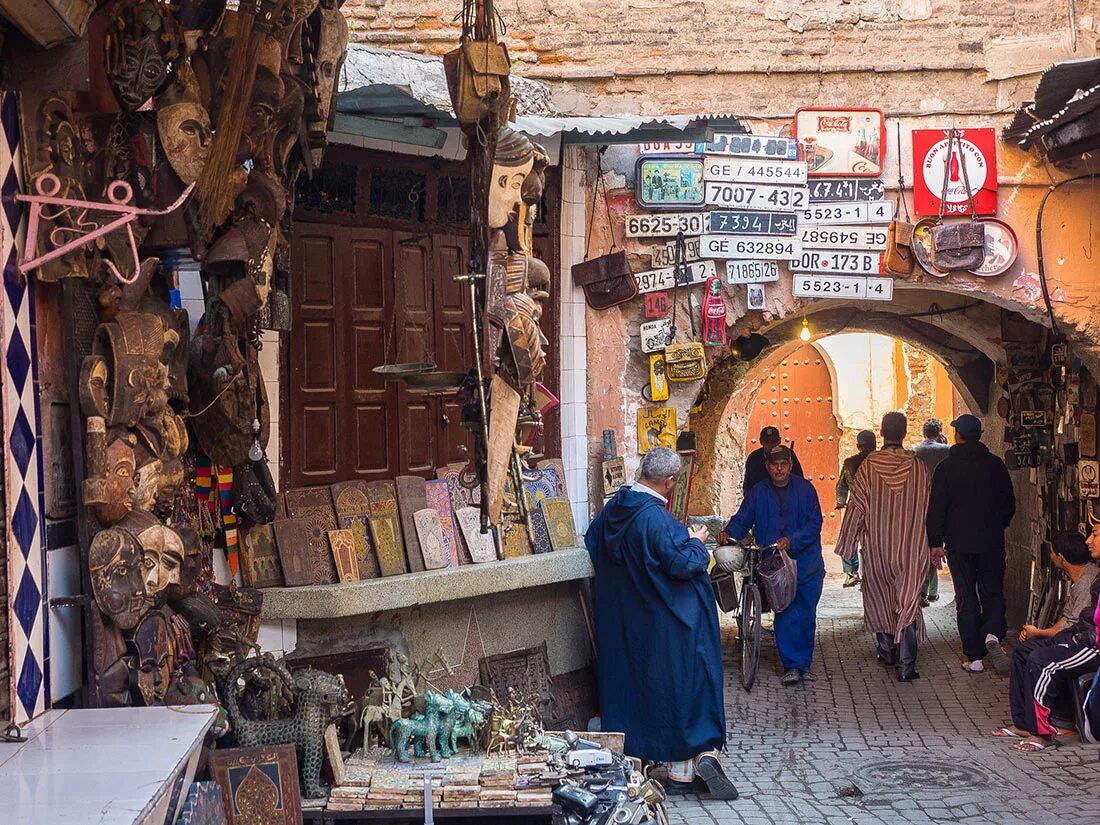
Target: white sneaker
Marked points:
977	666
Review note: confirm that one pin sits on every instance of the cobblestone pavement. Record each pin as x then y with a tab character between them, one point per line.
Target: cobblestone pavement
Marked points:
919	752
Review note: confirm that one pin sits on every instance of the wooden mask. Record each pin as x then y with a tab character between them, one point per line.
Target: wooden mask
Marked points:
512	163
115	566
162	643
139	49
332	43
183	126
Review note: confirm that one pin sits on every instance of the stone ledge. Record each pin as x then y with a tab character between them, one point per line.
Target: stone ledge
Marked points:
430	587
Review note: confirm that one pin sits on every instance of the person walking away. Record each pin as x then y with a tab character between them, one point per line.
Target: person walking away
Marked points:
971	506
932	450
1069	554
755	471
785	510
866	444
659	662
885	518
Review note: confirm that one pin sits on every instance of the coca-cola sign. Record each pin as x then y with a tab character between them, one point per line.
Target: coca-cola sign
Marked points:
841	142
934	160
833	123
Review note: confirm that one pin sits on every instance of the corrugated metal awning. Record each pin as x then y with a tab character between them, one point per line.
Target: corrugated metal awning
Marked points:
617	128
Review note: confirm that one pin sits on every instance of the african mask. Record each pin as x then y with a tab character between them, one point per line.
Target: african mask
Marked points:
138	51
512	163
162	643
111	473
146	481
183	125
332	43
288	28
137	383
258	138
162	551
118	577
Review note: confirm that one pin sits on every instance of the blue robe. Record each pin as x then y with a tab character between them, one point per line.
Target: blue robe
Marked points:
659	667
797	517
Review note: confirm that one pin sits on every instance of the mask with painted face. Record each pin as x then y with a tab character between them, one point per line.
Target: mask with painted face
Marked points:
139	50
163	646
512	163
183	125
332	43
111	495
117	577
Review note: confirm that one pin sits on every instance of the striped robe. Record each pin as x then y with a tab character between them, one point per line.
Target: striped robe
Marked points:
885	517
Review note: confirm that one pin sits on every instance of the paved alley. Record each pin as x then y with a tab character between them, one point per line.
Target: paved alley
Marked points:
918	752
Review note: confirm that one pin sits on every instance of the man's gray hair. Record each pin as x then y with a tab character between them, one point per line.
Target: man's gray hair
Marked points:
660	463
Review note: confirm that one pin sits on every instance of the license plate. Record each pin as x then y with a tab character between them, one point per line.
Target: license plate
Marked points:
667	148
656	335
751	272
853	263
869	238
751	170
841	213
832	190
843	286
665	255
751	146
659	226
748	247
756	196
752	223
656	280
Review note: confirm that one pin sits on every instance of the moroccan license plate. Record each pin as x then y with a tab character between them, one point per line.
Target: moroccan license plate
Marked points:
841	213
752	146
656	280
751	272
843	286
756	196
661	226
749	247
665	255
741	222
833	190
869	238
854	263
752	170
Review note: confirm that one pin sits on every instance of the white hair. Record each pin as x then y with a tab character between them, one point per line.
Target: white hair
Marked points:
660	463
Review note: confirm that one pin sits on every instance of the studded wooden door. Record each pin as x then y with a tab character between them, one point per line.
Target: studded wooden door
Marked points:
798	399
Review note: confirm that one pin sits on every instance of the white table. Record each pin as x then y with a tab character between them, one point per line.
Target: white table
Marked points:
112	766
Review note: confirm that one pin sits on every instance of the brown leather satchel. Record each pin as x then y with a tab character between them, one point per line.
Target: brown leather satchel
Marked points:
957	246
477	79
607	280
898	259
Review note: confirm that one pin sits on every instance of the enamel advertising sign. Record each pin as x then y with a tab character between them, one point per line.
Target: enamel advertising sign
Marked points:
841	142
932	161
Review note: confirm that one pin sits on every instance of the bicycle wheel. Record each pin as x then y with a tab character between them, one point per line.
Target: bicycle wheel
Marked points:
748	631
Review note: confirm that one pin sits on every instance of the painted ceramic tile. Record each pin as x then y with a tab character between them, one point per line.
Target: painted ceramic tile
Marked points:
259	785
350	498
365	554
514	538
292	542
557	466
386	528
259	558
203	805
411	496
432	542
559	521
481	545
439	499
542	483
343	553
539	529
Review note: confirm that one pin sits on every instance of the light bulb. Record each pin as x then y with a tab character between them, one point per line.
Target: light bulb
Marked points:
805	334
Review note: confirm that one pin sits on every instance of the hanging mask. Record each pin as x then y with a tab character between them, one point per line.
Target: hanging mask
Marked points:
183	125
512	163
162	643
161	548
258	138
139	49
332	43
117	577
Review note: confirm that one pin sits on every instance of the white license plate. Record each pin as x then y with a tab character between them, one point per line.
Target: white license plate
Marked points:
748	247
843	286
667	148
752	146
841	213
665	255
869	238
849	263
656	335
831	190
751	272
660	279
742	222
752	170
660	226
758	196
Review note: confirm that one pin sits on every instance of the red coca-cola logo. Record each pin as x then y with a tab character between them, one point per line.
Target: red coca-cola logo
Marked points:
834	123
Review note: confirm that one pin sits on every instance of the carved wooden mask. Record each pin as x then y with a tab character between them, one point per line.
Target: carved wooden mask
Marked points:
115	565
513	162
183	126
139	49
332	43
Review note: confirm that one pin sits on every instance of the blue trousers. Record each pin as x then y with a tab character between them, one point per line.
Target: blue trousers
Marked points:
796	627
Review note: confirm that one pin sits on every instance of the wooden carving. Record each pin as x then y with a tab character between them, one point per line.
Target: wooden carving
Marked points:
365	554
439	499
411	496
481	546
514	539
259	558
432	542
343	553
386	528
292	539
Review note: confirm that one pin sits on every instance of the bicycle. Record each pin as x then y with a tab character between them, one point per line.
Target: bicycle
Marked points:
749	604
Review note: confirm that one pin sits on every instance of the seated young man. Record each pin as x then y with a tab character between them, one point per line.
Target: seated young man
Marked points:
1049	668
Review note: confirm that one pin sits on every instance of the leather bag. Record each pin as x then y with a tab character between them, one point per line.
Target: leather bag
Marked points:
899	258
957	246
477	79
254	494
685	362
607	280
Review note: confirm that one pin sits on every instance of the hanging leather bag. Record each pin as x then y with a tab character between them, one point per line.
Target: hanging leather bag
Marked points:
899	258
477	71
607	280
957	246
686	361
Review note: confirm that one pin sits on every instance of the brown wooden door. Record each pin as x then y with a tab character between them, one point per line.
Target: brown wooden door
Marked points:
798	399
362	298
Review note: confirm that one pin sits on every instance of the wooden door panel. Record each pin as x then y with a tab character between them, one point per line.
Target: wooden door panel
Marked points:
370	271
319	460
317	271
319	349
418	437
368	347
373	458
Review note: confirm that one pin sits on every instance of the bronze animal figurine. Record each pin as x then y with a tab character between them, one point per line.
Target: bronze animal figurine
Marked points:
319	699
423	728
469	716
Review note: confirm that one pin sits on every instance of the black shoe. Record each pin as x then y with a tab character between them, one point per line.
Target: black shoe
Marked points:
718	784
924	602
997	656
885	662
792	677
908	677
674	788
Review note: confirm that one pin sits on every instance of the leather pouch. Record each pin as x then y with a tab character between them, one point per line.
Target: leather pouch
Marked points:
958	246
898	259
607	280
477	79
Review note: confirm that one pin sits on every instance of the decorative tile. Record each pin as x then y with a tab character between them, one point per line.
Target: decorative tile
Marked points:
559	521
539	530
411	496
439	499
514	539
350	499
558	466
343	553
259	558
542	483
385	528
429	531
365	555
482	546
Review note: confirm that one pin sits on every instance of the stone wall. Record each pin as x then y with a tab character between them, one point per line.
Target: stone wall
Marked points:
645	56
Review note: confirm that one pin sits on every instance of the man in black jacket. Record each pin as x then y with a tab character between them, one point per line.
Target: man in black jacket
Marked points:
972	504
755	465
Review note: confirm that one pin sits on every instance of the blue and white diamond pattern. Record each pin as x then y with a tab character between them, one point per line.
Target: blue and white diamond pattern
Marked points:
22	446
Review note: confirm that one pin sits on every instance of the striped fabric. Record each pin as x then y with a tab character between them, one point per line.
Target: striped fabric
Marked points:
885	515
229	518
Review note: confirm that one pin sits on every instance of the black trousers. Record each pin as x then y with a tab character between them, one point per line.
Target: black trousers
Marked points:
979	598
1021	688
900	651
